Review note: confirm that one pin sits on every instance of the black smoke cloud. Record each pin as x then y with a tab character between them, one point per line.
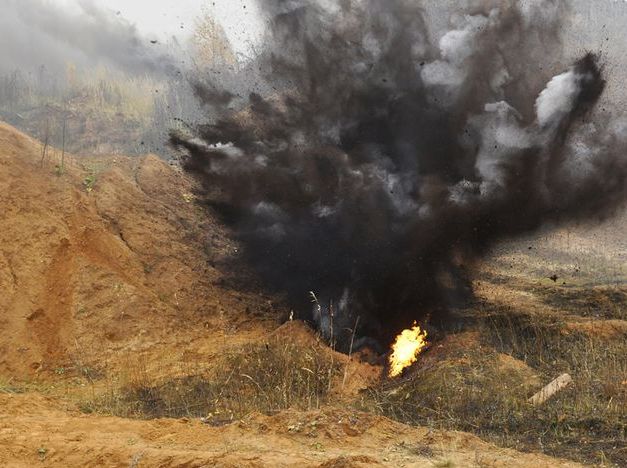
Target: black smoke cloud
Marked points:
39	33
386	160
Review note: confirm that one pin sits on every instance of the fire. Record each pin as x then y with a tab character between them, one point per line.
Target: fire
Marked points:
406	349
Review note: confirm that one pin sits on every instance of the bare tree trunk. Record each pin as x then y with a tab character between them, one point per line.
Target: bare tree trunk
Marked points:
44	150
63	143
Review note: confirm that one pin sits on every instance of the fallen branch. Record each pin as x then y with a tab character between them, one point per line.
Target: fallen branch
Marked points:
551	389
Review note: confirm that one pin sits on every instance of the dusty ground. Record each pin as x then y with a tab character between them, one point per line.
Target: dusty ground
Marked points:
112	262
33	429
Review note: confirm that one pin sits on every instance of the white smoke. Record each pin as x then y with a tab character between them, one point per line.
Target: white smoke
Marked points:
557	99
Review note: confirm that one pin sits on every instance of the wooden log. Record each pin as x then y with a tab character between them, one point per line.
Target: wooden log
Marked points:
551	389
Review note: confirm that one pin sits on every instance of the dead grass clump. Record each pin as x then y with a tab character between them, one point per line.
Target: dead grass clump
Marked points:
601	302
262	378
10	387
472	390
469	390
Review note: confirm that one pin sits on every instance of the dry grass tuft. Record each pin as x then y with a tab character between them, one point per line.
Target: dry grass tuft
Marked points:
9	387
262	378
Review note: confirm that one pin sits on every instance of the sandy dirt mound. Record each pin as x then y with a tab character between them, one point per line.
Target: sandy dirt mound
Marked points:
110	256
33	431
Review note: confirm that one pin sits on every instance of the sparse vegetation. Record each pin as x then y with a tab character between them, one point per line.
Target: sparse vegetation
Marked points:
42	452
479	388
444	464
263	378
96	111
89	182
606	302
7	386
479	382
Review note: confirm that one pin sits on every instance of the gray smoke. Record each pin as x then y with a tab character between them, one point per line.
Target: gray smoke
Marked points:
36	33
392	153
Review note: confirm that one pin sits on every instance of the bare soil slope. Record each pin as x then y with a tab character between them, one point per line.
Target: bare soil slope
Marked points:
109	256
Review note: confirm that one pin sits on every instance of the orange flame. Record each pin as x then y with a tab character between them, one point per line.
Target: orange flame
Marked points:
406	349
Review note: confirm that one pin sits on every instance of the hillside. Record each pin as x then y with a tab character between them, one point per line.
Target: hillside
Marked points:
110	256
134	336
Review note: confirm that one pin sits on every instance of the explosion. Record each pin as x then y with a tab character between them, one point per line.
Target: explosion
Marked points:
405	350
371	153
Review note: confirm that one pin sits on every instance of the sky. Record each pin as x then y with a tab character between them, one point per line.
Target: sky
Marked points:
163	19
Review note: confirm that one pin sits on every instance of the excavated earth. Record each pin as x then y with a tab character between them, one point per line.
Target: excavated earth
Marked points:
112	260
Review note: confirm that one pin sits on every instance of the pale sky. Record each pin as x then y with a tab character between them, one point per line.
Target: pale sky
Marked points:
165	18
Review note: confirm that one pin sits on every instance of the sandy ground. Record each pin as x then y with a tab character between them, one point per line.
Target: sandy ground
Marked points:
33	431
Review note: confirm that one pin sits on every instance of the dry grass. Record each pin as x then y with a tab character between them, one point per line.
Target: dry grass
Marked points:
261	378
469	389
590	419
605	302
9	387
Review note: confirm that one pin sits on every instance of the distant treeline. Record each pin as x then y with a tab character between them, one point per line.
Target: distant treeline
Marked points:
102	111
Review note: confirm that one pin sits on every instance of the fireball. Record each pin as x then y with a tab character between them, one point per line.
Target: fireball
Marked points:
405	350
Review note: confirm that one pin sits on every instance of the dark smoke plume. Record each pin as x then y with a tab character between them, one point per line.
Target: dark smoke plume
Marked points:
386	161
